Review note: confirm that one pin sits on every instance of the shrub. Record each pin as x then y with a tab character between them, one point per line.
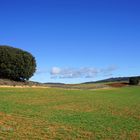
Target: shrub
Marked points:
133	81
16	64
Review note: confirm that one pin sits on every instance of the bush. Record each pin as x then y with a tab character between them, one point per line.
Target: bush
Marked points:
16	64
133	81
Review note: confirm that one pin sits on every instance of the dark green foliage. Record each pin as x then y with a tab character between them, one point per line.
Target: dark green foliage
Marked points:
16	64
134	81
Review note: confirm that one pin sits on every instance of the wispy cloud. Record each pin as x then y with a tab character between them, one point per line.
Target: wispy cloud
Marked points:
84	72
109	70
41	71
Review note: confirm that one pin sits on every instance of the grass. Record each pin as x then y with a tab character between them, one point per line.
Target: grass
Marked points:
61	114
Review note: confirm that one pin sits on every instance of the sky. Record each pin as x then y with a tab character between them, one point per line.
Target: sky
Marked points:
75	41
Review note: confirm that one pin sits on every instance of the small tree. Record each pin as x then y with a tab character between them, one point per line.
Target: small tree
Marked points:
133	81
16	64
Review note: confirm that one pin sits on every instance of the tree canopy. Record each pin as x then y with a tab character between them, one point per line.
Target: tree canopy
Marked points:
134	81
16	64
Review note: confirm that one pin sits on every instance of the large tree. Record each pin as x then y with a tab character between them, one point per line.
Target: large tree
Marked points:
16	64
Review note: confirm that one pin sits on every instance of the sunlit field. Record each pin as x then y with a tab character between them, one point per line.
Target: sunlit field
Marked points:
60	114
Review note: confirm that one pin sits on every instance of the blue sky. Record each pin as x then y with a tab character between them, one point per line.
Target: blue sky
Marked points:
75	40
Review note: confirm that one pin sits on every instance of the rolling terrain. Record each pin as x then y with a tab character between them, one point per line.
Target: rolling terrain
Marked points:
106	83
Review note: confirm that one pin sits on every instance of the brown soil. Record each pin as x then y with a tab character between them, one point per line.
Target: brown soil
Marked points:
118	84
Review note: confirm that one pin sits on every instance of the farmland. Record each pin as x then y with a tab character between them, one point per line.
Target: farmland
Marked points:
61	114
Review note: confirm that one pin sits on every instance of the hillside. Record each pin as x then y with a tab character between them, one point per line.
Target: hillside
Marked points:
115	79
111	82
7	82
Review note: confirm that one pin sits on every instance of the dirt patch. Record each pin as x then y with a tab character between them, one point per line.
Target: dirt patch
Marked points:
117	84
6	86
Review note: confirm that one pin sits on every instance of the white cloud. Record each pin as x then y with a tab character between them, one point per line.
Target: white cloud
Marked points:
55	71
85	72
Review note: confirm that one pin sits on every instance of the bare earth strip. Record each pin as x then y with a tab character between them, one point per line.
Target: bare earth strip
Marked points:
6	86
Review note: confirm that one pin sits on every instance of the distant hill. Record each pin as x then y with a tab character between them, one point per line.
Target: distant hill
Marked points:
54	83
116	79
7	82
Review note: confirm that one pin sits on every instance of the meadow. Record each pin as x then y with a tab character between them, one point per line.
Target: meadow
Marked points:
64	114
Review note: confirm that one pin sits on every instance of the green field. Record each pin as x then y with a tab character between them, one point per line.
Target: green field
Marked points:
60	114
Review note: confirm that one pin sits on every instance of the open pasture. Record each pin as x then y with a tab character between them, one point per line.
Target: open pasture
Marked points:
60	114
